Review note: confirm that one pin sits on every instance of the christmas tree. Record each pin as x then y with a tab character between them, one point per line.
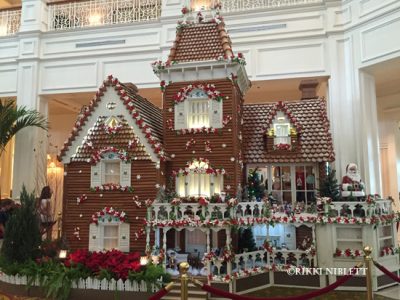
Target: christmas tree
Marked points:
22	234
329	186
246	240
254	184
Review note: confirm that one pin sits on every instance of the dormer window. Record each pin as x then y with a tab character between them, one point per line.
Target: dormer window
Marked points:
198	111
281	129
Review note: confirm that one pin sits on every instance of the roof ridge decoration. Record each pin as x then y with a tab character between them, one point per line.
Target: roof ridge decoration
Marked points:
281	106
129	103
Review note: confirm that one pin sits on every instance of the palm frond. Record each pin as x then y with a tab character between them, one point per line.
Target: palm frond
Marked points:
13	119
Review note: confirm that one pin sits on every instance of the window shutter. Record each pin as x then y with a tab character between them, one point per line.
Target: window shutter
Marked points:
123	239
216	114
95	175
125	174
180	116
94	237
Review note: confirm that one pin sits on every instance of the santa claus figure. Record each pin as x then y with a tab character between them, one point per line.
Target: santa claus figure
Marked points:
352	183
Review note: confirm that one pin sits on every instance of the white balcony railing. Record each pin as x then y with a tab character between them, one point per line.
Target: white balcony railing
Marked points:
242	5
63	16
10	20
264	260
361	209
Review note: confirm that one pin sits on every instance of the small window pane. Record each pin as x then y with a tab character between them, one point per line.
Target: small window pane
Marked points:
112	172
110	244
198	115
110	231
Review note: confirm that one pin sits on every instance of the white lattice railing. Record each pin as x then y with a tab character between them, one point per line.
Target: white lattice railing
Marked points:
168	212
361	209
241	5
10	20
101	12
89	284
264	260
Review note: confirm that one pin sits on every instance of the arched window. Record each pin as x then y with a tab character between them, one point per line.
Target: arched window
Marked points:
199	179
198	111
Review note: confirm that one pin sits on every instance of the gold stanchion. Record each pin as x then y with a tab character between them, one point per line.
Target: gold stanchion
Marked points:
368	264
59	225
183	269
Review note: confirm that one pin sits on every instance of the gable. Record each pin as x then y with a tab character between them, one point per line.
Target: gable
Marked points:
141	125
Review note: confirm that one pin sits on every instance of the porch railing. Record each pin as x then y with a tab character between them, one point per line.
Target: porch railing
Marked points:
63	16
169	212
263	260
10	21
361	209
243	5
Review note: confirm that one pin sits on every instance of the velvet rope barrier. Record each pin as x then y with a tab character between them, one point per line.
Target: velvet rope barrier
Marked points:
387	272
309	295
162	292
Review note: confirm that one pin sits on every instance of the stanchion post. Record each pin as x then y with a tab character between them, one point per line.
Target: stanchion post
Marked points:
368	264
59	225
183	269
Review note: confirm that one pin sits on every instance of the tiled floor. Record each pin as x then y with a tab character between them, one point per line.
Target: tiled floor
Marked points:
335	295
391	293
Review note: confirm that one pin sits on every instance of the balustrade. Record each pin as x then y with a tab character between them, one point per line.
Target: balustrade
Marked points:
263	260
360	209
168	212
10	21
80	14
242	5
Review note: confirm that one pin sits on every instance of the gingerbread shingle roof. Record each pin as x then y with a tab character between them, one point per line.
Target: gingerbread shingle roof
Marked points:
201	41
309	115
146	116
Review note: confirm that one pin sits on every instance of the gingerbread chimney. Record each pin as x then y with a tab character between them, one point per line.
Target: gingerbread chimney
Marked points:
308	89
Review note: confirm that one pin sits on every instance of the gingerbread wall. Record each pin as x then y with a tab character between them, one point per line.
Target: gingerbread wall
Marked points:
77	183
228	135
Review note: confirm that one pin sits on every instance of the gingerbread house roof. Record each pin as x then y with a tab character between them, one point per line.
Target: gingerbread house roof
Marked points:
200	42
309	116
139	133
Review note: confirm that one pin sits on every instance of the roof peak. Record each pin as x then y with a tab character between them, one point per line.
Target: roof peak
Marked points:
200	38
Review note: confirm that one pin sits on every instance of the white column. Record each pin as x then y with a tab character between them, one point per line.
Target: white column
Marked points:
172	8
370	158
30	144
343	114
33	16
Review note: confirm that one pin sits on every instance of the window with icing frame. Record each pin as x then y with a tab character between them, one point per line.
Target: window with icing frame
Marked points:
110	170
197	183
198	111
109	235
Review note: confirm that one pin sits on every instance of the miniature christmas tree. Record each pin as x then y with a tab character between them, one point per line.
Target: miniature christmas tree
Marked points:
255	188
246	240
22	234
329	186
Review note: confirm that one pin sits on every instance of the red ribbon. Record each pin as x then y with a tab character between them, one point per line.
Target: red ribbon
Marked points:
161	293
387	272
309	295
